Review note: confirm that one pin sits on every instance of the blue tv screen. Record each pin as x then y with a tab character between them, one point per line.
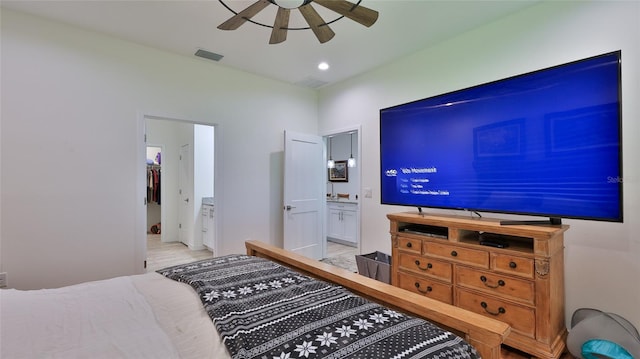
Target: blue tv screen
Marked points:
545	143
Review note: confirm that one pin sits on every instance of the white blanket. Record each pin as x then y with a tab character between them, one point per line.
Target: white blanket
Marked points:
145	316
181	315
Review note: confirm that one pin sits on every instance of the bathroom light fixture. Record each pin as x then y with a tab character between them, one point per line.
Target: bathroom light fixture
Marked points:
330	163
351	162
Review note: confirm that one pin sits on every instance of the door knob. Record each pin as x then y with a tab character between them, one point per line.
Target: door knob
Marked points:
187	200
289	207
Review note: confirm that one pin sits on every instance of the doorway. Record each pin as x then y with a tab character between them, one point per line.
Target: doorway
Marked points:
342	220
187	169
154	182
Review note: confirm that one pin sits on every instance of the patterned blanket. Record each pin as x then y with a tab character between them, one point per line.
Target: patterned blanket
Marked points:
264	310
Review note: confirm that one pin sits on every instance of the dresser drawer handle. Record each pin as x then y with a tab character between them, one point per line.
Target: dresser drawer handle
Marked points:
500	310
409	245
484	280
429	265
512	265
429	289
454	253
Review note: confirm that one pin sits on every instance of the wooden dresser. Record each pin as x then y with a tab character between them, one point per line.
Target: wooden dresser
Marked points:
521	284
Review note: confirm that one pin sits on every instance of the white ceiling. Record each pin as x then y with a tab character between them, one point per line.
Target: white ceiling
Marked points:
183	26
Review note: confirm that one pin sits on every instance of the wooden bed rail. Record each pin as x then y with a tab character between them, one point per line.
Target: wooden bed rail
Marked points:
485	334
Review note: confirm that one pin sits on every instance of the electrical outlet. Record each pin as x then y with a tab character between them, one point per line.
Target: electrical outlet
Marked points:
3	280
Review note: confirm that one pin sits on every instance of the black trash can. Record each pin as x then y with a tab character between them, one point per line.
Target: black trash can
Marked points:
376	265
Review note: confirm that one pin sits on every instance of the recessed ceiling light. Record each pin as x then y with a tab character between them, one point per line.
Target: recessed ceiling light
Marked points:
323	66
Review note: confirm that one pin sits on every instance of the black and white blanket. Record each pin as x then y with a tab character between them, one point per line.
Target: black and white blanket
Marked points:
264	310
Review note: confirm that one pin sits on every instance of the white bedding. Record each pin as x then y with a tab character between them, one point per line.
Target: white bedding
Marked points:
144	316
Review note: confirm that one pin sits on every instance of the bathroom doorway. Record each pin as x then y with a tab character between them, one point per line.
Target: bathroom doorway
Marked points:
342	219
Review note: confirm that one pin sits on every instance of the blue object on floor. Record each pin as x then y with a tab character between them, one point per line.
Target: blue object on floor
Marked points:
597	348
596	334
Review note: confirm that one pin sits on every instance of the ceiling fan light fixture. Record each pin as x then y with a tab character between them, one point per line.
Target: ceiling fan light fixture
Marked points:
317	24
289	4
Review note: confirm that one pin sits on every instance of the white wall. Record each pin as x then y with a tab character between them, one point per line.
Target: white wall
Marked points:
203	176
602	264
203	159
71	107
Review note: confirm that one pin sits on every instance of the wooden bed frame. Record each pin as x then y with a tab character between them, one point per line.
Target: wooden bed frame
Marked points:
485	334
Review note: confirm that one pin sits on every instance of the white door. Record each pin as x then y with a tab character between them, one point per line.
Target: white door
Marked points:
183	189
304	187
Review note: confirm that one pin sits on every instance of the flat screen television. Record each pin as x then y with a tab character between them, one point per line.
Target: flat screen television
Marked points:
546	143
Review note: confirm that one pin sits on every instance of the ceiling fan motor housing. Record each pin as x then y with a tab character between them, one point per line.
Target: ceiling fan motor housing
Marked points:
290	4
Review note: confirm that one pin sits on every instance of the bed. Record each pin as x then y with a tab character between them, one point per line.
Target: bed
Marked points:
160	315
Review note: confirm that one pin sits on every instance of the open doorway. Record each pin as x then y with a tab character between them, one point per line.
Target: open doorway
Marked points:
154	182
180	188
342	223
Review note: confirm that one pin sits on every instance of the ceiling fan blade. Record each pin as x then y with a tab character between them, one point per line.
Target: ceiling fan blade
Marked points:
241	17
357	13
279	32
322	31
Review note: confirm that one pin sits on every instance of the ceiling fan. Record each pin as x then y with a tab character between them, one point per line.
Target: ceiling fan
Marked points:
321	29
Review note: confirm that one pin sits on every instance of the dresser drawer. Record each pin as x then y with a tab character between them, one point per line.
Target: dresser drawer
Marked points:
512	265
427	287
426	266
458	254
521	318
410	245
496	284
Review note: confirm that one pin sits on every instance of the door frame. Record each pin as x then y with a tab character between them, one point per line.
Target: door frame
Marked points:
340	131
140	235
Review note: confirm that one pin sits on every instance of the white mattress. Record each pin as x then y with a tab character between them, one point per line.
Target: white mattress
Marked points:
144	316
